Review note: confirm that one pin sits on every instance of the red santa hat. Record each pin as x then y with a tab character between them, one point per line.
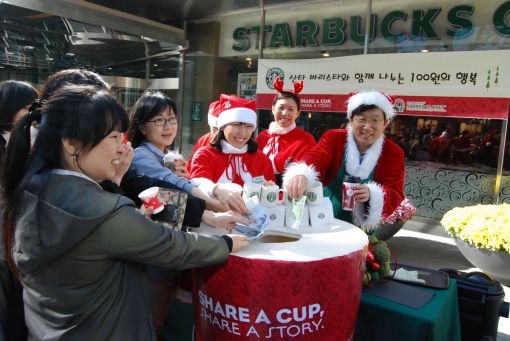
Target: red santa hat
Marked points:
212	114
380	100
235	109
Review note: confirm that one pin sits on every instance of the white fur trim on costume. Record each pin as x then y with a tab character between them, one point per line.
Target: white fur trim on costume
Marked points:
212	121
204	184
370	158
237	114
370	97
300	168
376	204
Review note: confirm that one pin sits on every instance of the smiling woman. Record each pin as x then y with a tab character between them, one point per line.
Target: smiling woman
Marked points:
232	156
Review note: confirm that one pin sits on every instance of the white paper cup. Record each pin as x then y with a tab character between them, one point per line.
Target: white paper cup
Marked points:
272	195
150	198
314	195
251	189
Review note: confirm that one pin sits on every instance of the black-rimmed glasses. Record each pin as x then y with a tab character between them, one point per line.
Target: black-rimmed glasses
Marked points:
163	121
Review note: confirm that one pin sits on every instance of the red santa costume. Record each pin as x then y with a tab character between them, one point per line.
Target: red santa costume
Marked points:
381	167
283	146
231	164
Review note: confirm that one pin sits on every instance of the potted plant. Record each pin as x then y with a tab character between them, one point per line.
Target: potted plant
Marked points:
482	234
394	222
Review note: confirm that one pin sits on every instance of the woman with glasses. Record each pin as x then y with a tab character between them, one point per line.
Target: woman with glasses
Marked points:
284	142
153	127
361	150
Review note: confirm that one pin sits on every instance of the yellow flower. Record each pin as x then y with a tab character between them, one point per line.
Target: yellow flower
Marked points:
484	226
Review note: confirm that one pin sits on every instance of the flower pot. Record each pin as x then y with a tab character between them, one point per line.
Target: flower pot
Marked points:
386	231
493	262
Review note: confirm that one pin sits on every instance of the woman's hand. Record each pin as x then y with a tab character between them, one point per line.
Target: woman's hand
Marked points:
268	183
233	200
125	162
361	193
297	186
181	168
238	242
228	220
146	211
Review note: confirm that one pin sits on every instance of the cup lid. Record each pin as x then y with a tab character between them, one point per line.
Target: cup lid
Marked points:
352	179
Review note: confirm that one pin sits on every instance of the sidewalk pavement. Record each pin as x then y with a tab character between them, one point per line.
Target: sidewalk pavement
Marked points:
424	242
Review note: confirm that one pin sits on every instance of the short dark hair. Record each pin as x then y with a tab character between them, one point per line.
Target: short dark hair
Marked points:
364	107
14	95
288	94
220	135
150	104
70	77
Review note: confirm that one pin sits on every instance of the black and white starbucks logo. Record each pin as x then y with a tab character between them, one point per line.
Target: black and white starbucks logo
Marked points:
399	105
271	197
271	76
312	196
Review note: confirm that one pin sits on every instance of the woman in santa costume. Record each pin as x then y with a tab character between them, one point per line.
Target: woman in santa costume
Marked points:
284	142
361	150
232	156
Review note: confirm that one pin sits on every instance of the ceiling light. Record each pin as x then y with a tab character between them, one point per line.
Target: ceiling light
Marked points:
325	53
248	59
28	47
70	54
424	50
155	65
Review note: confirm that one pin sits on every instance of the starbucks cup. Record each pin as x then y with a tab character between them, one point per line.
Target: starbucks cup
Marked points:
349	184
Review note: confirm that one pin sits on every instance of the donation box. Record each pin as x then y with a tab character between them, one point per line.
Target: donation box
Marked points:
281	288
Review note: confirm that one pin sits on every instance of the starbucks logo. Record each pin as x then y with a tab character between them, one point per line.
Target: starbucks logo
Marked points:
321	216
272	217
271	76
271	197
312	196
399	105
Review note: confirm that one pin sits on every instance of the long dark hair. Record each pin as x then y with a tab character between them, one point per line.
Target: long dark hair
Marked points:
288	94
81	113
14	95
220	135
150	104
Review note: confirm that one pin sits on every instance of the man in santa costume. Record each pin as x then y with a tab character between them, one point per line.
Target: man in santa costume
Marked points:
361	150
232	156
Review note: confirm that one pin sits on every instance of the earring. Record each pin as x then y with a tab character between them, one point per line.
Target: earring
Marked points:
73	155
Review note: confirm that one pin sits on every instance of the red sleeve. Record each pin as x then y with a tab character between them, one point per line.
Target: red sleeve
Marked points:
202	164
262	139
391	176
326	156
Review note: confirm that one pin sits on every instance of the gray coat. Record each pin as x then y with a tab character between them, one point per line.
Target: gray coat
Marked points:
81	252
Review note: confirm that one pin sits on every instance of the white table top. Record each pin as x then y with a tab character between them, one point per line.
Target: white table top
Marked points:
316	243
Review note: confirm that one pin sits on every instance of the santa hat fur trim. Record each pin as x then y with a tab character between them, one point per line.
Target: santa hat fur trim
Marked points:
370	97
300	168
212	114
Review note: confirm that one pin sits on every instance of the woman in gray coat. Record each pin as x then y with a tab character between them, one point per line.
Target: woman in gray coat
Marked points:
79	251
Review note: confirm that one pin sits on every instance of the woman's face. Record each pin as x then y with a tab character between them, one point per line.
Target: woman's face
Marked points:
367	127
161	129
238	134
103	160
285	112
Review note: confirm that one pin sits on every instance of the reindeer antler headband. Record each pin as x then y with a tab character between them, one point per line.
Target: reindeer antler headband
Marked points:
278	86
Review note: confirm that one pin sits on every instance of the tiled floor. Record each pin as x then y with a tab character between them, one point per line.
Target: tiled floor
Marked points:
423	242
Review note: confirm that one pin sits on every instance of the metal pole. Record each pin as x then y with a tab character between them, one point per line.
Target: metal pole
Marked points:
367	25
499	170
180	96
261	29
